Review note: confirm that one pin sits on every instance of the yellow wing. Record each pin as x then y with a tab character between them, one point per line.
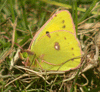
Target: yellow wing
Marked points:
61	20
56	42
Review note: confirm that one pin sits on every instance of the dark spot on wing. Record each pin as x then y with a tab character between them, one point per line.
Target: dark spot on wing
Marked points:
57	34
72	48
63	21
48	34
65	38
64	26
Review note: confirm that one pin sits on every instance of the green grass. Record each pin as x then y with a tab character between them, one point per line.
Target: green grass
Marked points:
27	16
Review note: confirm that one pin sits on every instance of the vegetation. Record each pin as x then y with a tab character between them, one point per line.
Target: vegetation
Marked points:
20	19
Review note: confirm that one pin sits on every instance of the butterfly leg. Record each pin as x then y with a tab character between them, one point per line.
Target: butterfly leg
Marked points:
39	64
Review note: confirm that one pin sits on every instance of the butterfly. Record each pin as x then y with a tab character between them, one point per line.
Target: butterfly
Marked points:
55	45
